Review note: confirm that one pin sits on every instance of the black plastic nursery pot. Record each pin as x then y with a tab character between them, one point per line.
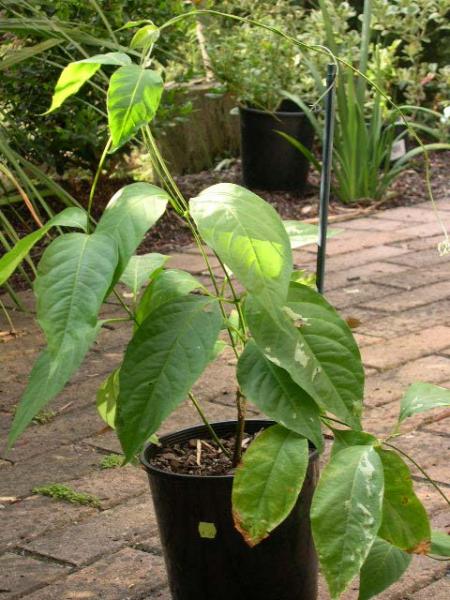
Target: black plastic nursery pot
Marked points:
206	558
270	162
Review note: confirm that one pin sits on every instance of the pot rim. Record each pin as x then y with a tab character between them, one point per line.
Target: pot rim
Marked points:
280	113
151	469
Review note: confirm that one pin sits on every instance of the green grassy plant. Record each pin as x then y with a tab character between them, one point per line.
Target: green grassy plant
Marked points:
58	491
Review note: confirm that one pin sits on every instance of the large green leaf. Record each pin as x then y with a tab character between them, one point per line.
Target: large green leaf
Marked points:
74	272
248	235
134	94
309	339
346	514
405	522
384	565
128	216
167	286
421	397
277	395
73	275
302	234
69	217
77	73
440	543
140	268
167	354
268	481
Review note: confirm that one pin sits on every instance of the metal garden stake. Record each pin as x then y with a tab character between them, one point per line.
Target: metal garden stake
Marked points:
325	178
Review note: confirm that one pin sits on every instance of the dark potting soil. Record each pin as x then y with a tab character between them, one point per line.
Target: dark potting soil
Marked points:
199	456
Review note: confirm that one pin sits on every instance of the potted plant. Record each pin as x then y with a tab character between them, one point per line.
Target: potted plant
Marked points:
257	67
248	524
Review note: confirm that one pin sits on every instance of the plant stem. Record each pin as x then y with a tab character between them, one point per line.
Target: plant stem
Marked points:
424	473
96	178
209	427
241	404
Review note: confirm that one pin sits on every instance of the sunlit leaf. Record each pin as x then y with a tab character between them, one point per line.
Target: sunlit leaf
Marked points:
134	94
248	235
77	73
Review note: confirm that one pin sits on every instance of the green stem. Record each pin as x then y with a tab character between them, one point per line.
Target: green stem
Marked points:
96	178
183	209
213	434
424	473
241	404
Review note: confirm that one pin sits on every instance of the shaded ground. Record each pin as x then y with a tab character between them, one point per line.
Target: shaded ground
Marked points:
383	272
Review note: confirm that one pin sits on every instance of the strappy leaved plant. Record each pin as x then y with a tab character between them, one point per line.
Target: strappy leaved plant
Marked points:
297	360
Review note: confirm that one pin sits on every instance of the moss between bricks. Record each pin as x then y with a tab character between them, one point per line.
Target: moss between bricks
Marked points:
111	461
65	493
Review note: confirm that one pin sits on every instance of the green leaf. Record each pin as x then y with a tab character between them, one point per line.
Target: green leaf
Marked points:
70	217
421	397
145	36
345	438
346	514
305	278
73	275
167	286
440	543
273	391
248	235
302	234
384	565
267	483
129	215
134	94
140	268
106	399
77	73
315	346
167	354
405	522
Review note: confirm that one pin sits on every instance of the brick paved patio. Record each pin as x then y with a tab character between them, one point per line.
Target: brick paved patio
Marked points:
384	270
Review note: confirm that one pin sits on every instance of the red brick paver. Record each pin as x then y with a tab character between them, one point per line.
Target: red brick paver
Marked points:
384	271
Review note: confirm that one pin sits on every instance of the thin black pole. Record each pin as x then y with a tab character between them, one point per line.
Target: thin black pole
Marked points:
325	178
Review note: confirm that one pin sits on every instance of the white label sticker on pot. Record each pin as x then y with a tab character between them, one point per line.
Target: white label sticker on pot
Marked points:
398	149
207	530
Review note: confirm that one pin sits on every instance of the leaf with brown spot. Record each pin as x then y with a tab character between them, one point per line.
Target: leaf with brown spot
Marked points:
405	522
268	481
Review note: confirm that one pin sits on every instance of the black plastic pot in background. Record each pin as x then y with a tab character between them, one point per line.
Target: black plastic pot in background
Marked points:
269	162
206	558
